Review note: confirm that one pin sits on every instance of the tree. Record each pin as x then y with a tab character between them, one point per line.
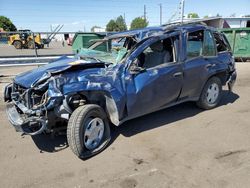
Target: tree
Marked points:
121	23
138	23
193	15
206	16
116	25
7	24
247	15
111	26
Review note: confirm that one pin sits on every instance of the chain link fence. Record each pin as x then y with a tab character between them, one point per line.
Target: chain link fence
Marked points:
25	43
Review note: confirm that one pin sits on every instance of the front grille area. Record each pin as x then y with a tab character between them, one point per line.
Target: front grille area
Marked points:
19	88
27	97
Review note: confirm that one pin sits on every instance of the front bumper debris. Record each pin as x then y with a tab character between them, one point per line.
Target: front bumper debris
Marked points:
22	124
7	93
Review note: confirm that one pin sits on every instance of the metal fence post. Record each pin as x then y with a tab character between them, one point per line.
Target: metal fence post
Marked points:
33	36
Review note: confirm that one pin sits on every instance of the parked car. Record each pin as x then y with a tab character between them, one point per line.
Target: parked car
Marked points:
88	93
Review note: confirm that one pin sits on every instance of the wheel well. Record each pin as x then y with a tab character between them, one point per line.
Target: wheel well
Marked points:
16	41
222	76
100	98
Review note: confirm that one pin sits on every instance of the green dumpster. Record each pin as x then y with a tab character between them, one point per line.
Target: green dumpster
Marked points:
239	39
83	40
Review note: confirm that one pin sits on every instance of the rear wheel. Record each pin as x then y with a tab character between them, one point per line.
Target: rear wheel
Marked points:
88	131
211	94
17	44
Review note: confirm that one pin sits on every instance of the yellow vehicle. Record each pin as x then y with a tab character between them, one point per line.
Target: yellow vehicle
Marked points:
24	39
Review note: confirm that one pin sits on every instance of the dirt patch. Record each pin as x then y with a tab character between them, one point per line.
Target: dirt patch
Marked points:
128	183
229	153
138	161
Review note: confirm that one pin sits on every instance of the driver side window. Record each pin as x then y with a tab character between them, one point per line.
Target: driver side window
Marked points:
158	53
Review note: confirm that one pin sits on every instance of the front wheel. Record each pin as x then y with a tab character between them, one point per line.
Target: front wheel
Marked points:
211	94
88	131
17	44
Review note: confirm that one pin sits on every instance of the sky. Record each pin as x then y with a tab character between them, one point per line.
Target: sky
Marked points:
81	15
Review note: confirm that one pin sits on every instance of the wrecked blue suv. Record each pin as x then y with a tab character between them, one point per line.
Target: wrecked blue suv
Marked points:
88	93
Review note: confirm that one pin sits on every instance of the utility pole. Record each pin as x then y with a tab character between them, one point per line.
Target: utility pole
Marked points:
145	13
182	10
124	17
160	13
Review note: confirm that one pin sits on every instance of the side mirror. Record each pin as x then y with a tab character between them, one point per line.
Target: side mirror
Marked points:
136	70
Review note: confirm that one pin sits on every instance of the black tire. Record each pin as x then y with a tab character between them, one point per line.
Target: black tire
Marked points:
77	126
31	45
203	101
41	46
17	44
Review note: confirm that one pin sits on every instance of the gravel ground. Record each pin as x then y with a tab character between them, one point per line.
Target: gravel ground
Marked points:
182	146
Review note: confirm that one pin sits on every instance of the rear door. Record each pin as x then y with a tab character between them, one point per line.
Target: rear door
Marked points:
201	60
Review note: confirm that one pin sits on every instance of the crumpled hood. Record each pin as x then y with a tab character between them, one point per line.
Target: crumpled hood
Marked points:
27	79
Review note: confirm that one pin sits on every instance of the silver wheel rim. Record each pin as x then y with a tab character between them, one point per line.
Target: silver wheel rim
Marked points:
212	93
93	133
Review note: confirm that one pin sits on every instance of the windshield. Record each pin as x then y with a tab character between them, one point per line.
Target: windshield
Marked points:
110	51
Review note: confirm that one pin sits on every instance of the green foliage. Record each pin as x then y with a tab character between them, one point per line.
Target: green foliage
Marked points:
138	23
111	26
206	16
193	15
121	23
6	24
116	25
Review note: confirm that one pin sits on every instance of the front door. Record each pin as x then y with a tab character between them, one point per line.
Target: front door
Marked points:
160	80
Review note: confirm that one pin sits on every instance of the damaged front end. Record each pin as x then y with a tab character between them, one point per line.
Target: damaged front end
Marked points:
42	100
28	108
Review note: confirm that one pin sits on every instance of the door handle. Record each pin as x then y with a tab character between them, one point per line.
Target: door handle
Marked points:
177	74
210	65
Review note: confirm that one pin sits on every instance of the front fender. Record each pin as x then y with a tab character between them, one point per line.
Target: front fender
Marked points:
114	97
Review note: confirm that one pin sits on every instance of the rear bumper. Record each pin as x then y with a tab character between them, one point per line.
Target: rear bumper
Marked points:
22	124
231	80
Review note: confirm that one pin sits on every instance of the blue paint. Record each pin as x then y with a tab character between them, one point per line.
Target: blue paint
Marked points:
133	94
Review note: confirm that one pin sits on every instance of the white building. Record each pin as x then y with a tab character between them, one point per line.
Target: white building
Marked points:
238	22
98	29
220	22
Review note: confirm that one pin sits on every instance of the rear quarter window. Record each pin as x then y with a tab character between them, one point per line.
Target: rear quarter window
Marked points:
221	42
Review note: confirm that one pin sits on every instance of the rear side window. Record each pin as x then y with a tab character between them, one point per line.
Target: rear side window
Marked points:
221	44
200	43
194	44
209	46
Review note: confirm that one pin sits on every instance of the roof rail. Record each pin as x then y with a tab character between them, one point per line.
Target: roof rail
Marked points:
179	23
